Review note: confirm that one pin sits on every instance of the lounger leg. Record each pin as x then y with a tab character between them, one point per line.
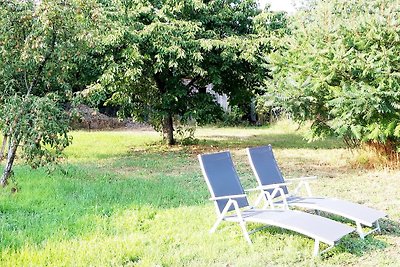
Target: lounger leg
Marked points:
214	228
221	216
316	247
308	189
241	222
360	230
378	227
268	200
259	199
245	233
363	234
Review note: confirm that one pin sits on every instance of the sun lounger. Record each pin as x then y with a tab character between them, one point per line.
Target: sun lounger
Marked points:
232	205
267	172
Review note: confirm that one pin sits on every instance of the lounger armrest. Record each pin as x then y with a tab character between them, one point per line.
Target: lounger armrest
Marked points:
269	198
303	182
272	186
265	187
228	197
303	178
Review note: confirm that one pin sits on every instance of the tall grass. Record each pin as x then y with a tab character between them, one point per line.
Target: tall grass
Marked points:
120	200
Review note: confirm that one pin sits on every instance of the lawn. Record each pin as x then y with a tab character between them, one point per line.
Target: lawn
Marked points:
120	199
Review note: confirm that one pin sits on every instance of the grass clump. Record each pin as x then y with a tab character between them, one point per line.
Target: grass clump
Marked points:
372	157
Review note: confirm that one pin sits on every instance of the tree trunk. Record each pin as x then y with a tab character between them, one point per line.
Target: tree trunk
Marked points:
3	146
168	130
10	161
167	123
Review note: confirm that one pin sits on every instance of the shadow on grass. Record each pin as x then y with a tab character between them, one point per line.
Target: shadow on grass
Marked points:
233	142
81	198
214	142
390	227
357	246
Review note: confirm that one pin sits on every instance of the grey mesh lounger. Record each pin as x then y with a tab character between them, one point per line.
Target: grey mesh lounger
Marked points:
267	172
232	205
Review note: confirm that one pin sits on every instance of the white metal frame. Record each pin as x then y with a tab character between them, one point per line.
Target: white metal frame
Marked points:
269	197
303	181
361	232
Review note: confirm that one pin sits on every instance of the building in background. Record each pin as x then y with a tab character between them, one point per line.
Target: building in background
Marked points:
281	5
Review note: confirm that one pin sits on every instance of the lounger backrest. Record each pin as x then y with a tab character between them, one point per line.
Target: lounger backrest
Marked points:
221	178
265	167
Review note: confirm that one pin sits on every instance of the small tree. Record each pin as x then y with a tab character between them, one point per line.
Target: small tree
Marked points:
340	69
161	55
38	60
38	126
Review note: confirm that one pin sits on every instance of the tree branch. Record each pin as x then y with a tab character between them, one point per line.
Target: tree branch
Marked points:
43	64
191	83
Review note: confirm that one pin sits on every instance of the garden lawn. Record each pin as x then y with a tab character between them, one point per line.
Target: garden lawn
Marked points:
120	199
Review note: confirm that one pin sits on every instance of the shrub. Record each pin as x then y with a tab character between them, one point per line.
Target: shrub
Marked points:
340	69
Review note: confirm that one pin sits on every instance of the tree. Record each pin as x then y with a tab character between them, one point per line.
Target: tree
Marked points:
340	69
39	55
159	56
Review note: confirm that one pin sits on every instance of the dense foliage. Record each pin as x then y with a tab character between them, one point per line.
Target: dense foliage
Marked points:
159	57
340	68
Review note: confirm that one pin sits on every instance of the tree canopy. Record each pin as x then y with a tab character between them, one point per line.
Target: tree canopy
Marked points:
159	56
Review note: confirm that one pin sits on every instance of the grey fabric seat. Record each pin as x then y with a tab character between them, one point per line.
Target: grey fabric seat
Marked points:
267	172
232	205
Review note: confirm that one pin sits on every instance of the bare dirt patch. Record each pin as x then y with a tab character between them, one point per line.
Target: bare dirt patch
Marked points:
91	119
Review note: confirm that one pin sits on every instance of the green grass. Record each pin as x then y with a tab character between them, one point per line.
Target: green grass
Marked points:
120	200
89	146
